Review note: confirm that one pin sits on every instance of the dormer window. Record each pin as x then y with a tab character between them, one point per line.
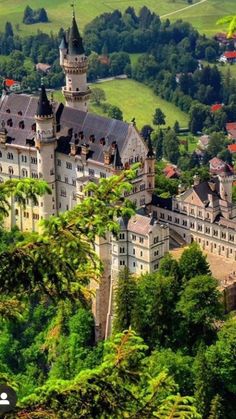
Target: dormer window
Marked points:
9	122
21	124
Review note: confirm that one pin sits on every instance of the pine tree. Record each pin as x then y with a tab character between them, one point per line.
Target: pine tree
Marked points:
8	29
28	16
159	117
43	17
124	301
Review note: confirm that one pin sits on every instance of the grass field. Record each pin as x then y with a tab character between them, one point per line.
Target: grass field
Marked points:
136	100
203	16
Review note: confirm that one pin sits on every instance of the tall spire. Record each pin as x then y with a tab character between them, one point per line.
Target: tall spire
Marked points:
75	41
44	108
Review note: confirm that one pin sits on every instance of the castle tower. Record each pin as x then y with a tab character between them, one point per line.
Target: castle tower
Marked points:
149	168
75	66
45	142
226	185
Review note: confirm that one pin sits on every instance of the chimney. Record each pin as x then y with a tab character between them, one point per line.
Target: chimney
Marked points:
3	133
85	150
74	144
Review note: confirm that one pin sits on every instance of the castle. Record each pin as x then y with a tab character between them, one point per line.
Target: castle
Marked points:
68	146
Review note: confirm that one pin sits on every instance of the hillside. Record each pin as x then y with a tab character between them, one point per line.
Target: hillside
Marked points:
202	14
130	96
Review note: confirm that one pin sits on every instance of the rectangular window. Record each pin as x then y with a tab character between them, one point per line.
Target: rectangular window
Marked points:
155	266
122	250
141	253
24	159
66	179
141	267
122	236
156	239
80	168
133	237
134	264
122	262
91	172
68	165
58	162
73	182
141	240
58	177
35	216
103	175
133	251
142	187
34	160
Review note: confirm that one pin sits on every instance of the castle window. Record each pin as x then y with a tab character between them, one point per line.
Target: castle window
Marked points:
176	220
103	175
10	170
133	251
74	196
21	124
142	187
156	252
162	215
122	250
208	230
80	168
231	237
122	236
73	182
34	175
63	192
185	223
8	111
199	227
133	237
156	239
0	154
141	253
58	177
169	218
192	211
34	160
9	122
26	214
58	162
141	240
24	173
122	262
35	217
24	159
52	172
66	179
134	264
91	172
215	233
10	156
155	266
192	225
223	235
16	211
68	165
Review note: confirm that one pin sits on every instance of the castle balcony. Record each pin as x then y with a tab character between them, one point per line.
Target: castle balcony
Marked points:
76	95
78	67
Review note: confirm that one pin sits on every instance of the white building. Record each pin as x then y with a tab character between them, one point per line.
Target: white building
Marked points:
67	146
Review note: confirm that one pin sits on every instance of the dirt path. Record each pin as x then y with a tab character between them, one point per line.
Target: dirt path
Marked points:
183	8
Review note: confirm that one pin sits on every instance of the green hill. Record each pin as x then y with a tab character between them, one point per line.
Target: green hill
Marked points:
136	100
203	13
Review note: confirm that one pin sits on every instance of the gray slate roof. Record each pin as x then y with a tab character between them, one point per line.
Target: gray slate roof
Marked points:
68	119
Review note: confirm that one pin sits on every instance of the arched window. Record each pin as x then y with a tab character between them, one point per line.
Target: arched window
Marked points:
9	122
10	170
24	173
21	124
10	156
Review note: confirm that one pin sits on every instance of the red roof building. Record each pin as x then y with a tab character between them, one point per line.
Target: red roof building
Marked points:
10	82
230	54
216	107
171	172
231	130
232	148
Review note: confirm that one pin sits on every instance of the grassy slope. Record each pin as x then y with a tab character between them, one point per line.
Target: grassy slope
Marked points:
137	100
203	16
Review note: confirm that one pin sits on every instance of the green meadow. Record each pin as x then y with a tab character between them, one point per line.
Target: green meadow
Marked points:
136	100
203	16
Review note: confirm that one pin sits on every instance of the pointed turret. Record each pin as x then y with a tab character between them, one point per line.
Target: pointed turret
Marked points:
117	163
44	108
63	45
75	41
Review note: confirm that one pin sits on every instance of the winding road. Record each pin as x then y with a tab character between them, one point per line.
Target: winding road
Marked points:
183	8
